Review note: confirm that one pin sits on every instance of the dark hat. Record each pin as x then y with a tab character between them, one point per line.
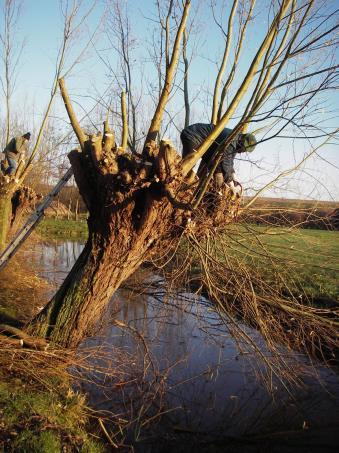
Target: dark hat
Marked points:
249	141
27	135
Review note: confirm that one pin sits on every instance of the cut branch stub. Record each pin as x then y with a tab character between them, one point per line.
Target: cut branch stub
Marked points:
150	151
111	165
109	142
97	155
81	176
107	129
167	162
103	152
99	159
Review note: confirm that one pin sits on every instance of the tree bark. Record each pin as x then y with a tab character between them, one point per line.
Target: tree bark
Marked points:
23	201
115	249
136	210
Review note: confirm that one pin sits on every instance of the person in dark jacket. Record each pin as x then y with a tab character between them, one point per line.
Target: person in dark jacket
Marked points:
194	135
14	152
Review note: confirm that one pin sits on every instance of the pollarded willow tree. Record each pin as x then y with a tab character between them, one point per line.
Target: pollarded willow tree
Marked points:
140	206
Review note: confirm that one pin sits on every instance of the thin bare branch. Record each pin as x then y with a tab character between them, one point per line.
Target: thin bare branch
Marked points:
223	63
191	160
124	121
170	72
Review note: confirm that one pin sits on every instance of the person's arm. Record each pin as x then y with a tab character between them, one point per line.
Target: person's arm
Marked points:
10	146
20	145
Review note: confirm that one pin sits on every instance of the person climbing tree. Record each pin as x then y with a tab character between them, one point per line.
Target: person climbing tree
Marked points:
15	152
195	134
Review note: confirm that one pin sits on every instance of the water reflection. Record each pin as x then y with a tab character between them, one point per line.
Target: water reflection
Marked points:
54	259
211	386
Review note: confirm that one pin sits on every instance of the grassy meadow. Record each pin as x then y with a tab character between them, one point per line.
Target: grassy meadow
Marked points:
62	228
304	260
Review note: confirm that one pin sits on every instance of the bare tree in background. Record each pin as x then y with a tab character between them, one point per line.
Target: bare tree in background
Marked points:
128	73
119	33
75	16
11	52
165	21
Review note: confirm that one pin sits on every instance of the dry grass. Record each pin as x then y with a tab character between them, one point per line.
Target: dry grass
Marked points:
22	290
135	390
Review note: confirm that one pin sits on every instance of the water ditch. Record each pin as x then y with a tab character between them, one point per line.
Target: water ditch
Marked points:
207	384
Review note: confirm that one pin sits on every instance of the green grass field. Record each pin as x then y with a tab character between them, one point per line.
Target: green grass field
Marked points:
51	228
306	261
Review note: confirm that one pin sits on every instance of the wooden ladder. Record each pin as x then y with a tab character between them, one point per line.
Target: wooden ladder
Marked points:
33	221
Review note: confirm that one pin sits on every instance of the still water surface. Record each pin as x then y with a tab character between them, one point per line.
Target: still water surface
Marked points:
212	392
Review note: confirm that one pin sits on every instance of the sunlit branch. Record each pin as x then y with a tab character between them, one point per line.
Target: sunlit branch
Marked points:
186	67
223	63
191	160
72	117
170	72
241	39
124	121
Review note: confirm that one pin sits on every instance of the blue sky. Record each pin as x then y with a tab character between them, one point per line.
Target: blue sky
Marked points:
41	25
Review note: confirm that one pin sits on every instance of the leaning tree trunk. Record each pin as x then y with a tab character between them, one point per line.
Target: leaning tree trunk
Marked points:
136	209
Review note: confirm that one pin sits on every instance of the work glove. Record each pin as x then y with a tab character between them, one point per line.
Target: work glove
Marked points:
236	189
